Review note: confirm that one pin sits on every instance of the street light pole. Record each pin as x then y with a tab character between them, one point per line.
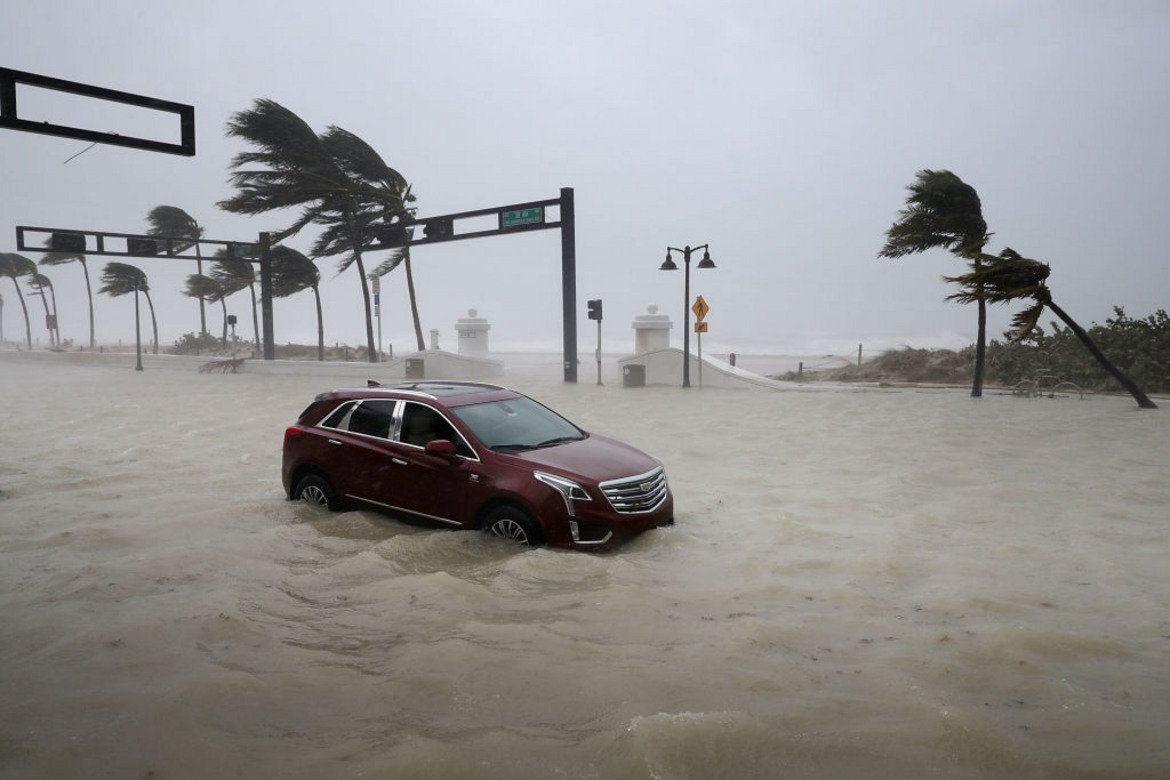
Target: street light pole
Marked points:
669	265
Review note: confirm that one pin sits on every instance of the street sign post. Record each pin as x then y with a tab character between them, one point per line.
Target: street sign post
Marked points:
700	310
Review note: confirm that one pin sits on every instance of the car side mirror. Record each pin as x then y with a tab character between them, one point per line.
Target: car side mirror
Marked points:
443	448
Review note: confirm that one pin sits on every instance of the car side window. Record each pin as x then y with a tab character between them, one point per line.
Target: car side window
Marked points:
422	424
372	418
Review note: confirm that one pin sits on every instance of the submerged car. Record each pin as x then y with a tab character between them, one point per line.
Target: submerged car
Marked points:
473	456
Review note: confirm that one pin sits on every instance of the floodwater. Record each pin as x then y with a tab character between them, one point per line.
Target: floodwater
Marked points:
860	584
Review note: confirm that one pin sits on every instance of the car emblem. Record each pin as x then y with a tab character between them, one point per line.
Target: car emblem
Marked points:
646	487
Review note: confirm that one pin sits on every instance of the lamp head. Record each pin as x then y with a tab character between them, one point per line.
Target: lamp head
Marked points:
668	264
706	262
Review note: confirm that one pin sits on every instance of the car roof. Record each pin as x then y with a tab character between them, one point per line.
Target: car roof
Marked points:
445	393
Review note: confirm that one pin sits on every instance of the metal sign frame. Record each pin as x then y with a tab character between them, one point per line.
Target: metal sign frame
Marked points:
10	118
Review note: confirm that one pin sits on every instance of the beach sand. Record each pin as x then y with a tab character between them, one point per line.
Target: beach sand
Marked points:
861	583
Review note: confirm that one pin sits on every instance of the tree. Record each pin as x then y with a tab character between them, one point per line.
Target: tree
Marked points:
121	279
1011	277
208	289
14	266
173	222
235	274
337	180
944	212
402	257
293	272
60	258
42	284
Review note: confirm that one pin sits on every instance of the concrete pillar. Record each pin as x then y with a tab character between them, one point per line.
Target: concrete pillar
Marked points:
651	331
434	338
473	334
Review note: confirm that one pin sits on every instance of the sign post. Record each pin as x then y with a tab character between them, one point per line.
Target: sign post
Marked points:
376	288
700	309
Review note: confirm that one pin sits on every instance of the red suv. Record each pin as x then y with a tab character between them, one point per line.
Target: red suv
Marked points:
465	455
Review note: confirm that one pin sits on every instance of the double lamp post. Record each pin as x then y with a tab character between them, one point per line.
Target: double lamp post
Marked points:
669	265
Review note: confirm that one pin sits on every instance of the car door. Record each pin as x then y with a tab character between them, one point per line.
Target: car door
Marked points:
357	454
430	486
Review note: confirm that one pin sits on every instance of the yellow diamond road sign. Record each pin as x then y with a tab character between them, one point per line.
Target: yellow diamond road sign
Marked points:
700	308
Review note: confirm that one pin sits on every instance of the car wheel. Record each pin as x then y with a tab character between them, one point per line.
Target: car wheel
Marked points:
513	524
315	489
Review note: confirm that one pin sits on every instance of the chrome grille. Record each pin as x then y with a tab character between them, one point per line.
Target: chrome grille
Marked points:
642	493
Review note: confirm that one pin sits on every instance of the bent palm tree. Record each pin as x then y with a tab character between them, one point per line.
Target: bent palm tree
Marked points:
336	179
235	274
173	222
60	258
1011	277
121	279
206	288
944	212
14	266
41	285
293	272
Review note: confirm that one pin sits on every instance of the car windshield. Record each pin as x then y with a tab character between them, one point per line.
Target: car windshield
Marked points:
517	424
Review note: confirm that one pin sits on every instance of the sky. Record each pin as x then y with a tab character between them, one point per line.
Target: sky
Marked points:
780	134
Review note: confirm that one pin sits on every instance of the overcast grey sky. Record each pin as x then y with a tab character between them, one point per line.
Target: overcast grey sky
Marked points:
781	133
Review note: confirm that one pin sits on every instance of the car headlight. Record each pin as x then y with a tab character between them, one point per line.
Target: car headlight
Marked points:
570	491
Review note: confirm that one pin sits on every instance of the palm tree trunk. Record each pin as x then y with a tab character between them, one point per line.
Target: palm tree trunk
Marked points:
223	305
413	301
355	243
1142	400
153	321
320	326
202	309
24	308
89	294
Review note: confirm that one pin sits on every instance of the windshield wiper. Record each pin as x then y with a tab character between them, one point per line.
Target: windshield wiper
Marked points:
512	447
559	440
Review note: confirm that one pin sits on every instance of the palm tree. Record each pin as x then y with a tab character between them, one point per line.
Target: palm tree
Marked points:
208	289
293	272
13	266
123	278
402	257
60	258
235	274
1010	277
942	211
173	222
40	283
336	179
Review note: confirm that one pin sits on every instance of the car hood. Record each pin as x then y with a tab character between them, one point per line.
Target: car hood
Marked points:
596	458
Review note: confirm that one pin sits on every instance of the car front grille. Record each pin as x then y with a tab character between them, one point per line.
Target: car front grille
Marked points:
632	495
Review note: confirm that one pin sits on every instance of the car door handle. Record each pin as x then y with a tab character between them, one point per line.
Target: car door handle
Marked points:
334	441
399	462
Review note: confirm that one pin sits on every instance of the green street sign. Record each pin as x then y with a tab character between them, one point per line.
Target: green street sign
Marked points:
522	217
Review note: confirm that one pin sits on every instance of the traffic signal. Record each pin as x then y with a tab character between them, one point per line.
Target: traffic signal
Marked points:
67	242
142	247
595	309
439	228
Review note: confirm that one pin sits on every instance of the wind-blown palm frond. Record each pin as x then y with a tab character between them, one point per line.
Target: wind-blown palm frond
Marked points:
14	265
39	281
232	273
122	279
942	211
291	271
1001	279
173	222
390	263
201	286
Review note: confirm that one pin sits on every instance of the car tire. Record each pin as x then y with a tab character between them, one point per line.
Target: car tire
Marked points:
315	489
513	524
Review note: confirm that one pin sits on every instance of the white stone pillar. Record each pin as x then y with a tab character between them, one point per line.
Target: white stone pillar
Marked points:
473	334
651	331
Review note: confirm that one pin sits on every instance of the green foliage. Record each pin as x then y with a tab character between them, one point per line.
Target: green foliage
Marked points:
196	344
1140	348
